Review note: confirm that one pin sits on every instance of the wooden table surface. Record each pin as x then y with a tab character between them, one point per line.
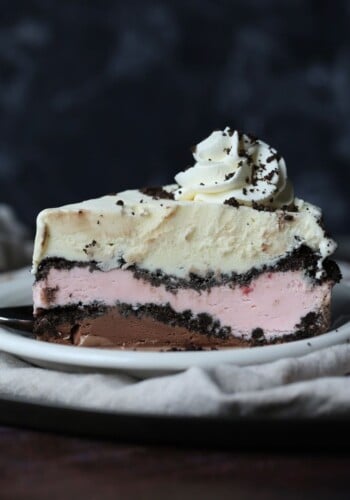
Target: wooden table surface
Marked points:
37	465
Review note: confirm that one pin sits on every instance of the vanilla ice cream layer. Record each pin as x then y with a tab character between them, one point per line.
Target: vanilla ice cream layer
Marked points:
275	302
179	237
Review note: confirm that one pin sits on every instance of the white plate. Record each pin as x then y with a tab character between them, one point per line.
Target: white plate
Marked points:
15	289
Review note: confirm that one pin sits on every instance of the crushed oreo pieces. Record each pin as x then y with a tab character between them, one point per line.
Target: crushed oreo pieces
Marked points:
232	202
157	192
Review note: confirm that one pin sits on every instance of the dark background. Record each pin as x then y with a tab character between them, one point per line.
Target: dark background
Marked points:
101	96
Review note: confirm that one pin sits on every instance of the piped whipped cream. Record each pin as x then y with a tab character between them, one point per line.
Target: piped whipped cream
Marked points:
234	165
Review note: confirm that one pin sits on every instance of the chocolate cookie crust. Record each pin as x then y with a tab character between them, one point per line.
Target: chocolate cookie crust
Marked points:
156	327
302	258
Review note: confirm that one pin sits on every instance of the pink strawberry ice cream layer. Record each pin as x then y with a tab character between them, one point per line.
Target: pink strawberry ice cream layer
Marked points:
275	302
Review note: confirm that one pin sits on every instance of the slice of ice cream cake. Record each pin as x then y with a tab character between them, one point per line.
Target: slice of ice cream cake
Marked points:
225	257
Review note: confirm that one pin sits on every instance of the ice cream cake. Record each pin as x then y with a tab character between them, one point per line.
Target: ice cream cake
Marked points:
225	257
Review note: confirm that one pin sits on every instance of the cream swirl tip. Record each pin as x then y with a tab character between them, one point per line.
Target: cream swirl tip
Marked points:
234	165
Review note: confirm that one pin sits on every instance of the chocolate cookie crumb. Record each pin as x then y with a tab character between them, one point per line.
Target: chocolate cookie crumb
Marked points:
258	333
275	156
232	202
262	208
157	192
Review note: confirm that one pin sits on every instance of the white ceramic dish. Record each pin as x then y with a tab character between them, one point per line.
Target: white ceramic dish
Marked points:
15	289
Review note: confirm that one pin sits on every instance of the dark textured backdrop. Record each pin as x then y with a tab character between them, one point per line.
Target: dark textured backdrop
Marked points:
98	96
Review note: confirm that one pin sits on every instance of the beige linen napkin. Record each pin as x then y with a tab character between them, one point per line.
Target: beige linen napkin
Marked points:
310	386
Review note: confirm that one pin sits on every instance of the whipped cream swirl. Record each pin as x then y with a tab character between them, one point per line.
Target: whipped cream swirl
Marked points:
231	165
